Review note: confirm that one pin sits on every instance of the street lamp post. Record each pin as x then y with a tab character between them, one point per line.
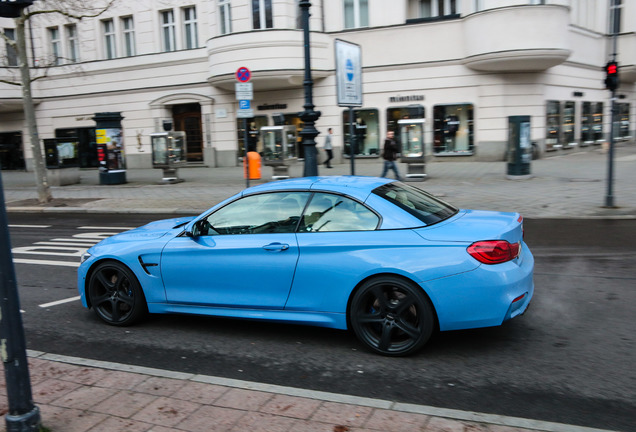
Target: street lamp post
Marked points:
309	115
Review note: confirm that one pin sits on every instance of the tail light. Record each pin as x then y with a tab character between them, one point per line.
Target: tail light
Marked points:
494	251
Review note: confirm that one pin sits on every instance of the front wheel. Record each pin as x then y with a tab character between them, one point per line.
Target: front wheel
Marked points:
115	294
391	316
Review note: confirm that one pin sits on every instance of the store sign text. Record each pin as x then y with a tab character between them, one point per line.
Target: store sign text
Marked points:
414	98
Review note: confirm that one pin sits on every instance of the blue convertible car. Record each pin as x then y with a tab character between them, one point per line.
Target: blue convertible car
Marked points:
379	257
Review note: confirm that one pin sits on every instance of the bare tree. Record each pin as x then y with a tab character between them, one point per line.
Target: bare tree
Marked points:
73	10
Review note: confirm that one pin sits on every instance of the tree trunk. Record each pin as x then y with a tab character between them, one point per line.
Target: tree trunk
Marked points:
44	192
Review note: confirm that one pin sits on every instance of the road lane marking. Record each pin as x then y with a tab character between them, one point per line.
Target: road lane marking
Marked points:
55	250
59	302
74	239
63	244
46	262
29	226
105	228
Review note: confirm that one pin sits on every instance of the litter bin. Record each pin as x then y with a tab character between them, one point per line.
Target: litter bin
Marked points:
254	164
519	147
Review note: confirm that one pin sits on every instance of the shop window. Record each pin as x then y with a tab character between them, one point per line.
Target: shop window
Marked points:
366	132
11	156
621	127
587	122
254	141
453	130
597	124
553	125
87	146
393	115
569	120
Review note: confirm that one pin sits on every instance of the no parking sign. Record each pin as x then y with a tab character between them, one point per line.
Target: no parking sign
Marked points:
243	74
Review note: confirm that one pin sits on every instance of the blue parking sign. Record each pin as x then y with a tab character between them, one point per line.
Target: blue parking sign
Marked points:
244	104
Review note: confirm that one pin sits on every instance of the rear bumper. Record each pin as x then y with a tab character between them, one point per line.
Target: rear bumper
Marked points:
484	297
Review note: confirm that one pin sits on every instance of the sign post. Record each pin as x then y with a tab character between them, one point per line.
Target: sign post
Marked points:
244	94
349	85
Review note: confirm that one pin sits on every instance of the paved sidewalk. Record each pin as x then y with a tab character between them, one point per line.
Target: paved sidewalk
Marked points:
79	395
569	184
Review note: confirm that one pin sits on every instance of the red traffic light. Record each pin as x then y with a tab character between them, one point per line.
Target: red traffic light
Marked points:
611	68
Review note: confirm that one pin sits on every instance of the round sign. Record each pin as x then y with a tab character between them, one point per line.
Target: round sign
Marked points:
243	74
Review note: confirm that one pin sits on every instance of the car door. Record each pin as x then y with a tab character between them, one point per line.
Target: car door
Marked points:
245	255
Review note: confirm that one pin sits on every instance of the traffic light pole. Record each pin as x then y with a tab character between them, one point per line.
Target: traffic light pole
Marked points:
613	83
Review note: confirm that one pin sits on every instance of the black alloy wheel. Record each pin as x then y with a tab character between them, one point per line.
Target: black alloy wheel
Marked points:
115	294
391	316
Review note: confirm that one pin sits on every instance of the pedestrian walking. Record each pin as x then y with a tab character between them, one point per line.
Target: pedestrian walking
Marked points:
390	154
328	148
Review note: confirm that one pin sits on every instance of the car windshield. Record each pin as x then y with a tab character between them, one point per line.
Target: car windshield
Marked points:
420	204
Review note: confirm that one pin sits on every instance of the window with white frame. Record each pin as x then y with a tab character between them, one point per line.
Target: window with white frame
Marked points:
54	44
72	45
225	17
356	13
168	34
615	16
262	14
128	33
12	54
110	46
191	38
435	8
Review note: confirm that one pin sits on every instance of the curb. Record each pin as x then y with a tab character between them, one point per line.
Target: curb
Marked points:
452	414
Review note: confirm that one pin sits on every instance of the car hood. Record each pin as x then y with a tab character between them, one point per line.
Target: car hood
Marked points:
153	230
475	225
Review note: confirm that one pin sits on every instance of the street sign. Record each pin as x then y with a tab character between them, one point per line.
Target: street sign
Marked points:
244	91
244	104
348	73
245	113
243	74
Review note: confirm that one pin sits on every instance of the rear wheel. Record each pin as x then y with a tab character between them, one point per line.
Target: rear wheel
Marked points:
391	316
115	294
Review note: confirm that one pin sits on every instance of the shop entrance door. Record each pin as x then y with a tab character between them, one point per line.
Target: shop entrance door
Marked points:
187	118
11	156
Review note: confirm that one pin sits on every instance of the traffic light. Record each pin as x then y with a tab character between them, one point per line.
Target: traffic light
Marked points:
611	76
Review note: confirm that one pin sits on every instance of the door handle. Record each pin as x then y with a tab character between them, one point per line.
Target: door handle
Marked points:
276	247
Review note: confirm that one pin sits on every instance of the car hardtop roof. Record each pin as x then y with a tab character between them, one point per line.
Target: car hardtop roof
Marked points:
350	185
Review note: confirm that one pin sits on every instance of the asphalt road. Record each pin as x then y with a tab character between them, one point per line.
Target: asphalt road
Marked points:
570	359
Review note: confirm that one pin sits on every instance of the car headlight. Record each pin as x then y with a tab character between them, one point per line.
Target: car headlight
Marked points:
84	257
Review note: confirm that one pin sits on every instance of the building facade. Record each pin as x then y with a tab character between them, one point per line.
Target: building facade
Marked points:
463	66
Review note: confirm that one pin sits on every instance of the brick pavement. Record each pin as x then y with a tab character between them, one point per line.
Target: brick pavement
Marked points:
80	395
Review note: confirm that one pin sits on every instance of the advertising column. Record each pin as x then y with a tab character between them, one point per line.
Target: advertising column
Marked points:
110	148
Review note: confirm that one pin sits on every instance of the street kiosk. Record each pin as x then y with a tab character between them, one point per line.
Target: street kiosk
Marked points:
279	149
169	150
413	150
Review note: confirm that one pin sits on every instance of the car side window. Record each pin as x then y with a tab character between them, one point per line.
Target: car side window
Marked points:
257	214
328	212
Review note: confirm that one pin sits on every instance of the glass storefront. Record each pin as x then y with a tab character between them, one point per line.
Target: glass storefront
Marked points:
622	125
552	125
254	142
366	130
394	115
453	130
11	156
591	123
87	144
569	120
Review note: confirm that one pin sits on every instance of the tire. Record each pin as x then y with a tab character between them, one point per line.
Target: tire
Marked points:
391	316
115	294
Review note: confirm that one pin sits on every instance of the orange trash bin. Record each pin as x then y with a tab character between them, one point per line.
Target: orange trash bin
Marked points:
254	160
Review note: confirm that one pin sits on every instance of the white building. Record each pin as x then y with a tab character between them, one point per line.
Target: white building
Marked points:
465	66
